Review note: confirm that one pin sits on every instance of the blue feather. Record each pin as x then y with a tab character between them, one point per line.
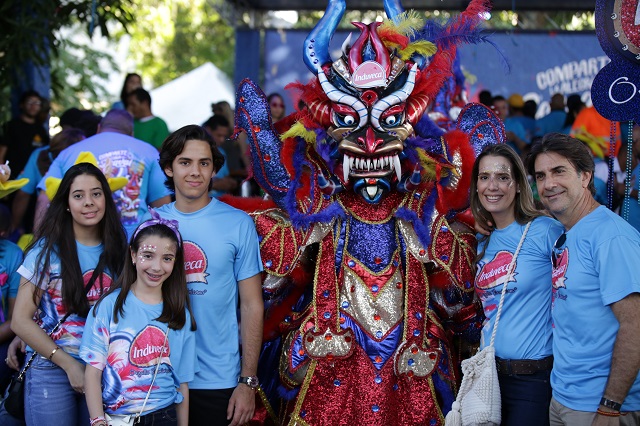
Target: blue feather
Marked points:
467	32
426	128
286	394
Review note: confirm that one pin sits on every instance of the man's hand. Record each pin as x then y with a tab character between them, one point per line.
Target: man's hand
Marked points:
602	420
241	405
484	231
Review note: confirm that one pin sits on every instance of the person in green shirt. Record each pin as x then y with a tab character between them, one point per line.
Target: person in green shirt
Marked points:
146	126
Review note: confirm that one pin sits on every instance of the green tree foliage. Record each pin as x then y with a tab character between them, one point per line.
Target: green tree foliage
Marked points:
78	73
171	38
29	33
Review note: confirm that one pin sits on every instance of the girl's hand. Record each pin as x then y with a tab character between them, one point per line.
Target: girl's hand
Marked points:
16	348
75	373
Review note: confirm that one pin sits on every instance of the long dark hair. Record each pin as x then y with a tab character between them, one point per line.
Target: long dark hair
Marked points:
175	295
123	92
56	236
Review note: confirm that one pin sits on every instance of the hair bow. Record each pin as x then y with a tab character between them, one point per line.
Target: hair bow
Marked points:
157	220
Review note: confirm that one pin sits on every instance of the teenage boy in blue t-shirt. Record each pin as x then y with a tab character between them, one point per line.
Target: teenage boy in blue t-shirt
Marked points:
222	262
595	295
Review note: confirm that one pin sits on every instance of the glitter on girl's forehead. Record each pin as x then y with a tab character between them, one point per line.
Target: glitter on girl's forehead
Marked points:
497	167
149	247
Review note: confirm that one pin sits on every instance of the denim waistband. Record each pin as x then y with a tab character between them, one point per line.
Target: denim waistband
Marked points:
157	415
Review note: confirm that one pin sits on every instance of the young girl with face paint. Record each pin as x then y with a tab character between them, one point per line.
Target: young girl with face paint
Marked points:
140	351
76	253
502	202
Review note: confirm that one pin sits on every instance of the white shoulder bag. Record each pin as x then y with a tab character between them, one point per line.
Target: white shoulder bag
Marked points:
478	402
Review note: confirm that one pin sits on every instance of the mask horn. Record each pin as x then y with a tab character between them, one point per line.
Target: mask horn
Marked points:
316	46
393	8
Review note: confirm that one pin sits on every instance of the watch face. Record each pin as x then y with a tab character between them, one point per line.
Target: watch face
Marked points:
253	382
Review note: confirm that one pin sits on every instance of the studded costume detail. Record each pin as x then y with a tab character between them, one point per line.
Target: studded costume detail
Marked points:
369	272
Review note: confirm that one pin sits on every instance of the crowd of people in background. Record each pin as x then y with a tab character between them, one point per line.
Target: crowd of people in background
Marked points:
87	239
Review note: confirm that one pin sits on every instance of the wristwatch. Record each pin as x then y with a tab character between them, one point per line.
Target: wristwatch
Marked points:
251	381
610	404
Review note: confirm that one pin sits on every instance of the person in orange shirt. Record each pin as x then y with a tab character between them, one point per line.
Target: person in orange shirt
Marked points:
595	130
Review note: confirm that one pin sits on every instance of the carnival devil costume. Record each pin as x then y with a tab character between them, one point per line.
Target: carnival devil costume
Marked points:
369	271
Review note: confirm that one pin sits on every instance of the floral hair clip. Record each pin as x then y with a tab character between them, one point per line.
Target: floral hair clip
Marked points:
157	220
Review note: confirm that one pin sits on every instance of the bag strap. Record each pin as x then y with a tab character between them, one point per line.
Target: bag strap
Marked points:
92	280
504	287
34	354
94	275
166	335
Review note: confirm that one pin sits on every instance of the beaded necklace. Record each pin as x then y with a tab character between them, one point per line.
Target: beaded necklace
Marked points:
612	153
627	181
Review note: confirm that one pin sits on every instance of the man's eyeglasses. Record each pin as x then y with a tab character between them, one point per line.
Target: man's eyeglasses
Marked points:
557	249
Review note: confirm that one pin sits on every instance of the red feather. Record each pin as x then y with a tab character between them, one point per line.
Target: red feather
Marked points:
387	35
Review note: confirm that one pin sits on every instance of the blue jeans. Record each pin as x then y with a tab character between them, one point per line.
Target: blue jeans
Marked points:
525	399
162	417
49	399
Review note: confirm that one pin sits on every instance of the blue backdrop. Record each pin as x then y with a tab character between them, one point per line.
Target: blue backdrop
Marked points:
542	63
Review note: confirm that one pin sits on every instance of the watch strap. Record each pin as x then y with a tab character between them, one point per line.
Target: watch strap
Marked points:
251	381
610	404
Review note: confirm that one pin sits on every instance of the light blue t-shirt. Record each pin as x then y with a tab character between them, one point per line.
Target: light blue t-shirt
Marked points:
10	260
528	124
524	330
51	309
552	122
120	155
634	207
220	248
32	172
511	124
597	266
127	353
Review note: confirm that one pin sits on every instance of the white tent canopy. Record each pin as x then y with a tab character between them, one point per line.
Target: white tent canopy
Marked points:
188	98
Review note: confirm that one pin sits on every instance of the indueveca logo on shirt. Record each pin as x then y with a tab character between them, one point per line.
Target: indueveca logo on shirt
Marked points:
147	346
195	263
560	269
95	292
494	272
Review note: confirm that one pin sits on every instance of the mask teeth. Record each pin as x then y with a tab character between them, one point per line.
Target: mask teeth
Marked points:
346	165
381	163
397	167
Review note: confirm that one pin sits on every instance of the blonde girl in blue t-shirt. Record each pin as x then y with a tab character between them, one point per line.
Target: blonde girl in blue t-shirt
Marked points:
140	353
76	253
